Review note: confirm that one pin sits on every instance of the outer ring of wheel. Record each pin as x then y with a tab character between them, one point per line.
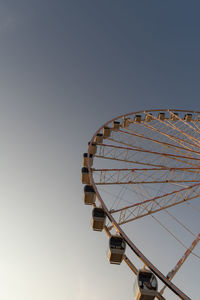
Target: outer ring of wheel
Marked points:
145	260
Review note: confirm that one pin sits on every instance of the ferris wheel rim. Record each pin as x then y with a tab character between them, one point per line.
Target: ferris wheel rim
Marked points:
133	247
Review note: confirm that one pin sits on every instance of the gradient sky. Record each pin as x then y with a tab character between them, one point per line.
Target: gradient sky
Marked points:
67	67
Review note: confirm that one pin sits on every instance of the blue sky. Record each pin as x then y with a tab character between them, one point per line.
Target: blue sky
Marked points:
67	67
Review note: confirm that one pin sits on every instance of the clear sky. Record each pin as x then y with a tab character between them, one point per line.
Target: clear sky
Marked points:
67	67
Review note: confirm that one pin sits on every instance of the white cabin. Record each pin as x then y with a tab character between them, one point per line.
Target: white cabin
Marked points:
93	147
99	138
85	159
145	286
188	117
116	125
116	250
106	132
85	176
89	195
138	118
98	219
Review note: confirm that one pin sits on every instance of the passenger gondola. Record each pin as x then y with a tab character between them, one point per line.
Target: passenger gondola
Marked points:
161	116
106	132
138	118
145	286
188	117
116	249
98	218
126	122
89	195
85	176
93	147
116	125
85	160
98	138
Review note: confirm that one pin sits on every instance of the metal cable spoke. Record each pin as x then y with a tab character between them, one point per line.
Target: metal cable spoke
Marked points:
163	144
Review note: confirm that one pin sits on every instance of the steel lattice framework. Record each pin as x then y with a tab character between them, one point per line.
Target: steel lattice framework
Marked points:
146	165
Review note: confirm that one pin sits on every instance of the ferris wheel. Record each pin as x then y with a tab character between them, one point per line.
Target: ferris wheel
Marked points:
142	177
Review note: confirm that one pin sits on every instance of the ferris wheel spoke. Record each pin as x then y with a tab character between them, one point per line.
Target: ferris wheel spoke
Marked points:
145	182
194	207
150	169
140	157
170	123
176	129
142	176
128	161
134	148
185	123
123	219
175	237
146	193
194	122
164	144
184	133
179	264
177	140
142	212
172	198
